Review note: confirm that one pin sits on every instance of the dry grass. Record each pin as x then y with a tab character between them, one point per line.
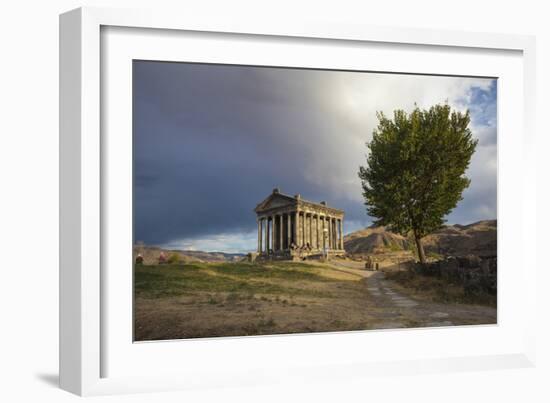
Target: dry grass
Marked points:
437	289
235	299
239	299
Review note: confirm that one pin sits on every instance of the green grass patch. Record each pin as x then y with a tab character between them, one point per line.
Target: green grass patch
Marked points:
393	247
239	280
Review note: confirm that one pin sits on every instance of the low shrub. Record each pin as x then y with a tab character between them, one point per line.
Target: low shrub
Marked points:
174	258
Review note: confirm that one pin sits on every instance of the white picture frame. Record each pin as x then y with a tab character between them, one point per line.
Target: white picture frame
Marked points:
85	345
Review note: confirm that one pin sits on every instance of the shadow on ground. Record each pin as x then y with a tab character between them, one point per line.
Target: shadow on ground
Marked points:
49	379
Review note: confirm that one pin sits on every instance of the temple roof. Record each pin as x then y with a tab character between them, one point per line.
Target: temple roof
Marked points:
280	200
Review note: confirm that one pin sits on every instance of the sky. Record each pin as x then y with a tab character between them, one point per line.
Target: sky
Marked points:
212	141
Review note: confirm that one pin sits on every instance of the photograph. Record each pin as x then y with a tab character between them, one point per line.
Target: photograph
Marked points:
273	200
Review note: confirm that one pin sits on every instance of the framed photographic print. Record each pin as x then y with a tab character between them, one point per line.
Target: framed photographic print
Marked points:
269	262
242	201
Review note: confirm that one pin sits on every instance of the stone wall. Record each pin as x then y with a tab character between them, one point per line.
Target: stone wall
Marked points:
477	275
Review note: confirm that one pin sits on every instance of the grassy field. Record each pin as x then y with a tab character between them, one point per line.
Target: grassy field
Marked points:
234	299
237	299
240	279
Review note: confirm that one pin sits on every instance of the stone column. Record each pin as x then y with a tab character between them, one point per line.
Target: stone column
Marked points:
312	231
311	234
335	233
303	240
288	230
281	232
323	222
327	225
317	243
296	226
341	234
303	229
337	226
309	230
329	233
259	235
335	238
278	232
306	236
267	234
325	237
316	231
273	233
306	226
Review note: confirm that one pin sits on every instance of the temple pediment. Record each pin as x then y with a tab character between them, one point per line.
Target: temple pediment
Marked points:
275	200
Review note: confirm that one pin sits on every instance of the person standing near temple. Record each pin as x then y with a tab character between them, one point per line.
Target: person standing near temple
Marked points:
162	258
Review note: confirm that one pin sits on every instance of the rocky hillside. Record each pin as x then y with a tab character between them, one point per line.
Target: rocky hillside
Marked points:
479	239
151	254
374	240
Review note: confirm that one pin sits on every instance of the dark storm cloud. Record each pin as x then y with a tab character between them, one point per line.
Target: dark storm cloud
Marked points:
212	141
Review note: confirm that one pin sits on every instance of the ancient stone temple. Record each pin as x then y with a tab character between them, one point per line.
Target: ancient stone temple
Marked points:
290	227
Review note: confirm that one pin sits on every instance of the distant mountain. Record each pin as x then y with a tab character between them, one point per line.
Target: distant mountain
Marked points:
479	238
151	254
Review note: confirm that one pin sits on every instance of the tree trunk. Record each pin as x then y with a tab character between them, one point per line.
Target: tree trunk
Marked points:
420	249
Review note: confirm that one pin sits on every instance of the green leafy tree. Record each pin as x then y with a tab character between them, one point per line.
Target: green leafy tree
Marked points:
415	172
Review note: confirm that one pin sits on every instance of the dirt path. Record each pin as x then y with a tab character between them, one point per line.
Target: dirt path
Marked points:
350	267
397	309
